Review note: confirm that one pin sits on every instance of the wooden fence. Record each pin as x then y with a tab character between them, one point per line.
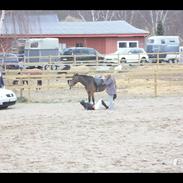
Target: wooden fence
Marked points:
154	78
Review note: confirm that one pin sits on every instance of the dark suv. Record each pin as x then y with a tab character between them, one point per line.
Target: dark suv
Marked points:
81	54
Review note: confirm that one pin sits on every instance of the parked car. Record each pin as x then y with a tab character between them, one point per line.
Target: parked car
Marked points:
127	55
10	59
81	53
7	97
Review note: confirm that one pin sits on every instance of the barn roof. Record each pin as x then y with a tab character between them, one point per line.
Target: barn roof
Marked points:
100	27
49	24
32	24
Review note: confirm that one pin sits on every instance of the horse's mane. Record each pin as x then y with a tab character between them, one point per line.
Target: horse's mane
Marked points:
83	75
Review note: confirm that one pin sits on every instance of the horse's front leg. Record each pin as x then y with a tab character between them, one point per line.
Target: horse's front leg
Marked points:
89	97
93	98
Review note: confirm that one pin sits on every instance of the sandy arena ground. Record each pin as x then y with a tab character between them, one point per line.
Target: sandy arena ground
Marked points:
142	134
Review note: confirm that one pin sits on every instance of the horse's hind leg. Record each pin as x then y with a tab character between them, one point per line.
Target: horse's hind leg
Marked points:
89	98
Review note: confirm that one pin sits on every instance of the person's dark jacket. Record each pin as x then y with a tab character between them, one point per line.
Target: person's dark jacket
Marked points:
1	81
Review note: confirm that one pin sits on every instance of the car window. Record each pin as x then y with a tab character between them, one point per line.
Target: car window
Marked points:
92	52
133	51
77	52
162	41
136	51
151	41
34	45
67	52
139	51
84	52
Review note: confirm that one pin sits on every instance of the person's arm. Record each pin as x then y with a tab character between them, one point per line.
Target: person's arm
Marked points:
107	81
1	81
115	83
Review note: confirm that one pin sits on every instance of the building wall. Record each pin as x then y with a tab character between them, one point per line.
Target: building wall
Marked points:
97	43
105	45
111	43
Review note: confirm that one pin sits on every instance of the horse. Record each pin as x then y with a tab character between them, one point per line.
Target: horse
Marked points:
89	82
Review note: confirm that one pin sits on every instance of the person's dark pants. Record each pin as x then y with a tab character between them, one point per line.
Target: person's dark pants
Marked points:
114	96
87	105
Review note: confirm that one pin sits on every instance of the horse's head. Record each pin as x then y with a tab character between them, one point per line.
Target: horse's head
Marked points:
73	81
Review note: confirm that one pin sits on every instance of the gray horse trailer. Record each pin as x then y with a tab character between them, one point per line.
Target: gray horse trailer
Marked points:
40	50
162	44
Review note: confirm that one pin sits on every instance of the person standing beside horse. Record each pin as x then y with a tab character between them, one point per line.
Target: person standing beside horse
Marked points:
111	87
1	80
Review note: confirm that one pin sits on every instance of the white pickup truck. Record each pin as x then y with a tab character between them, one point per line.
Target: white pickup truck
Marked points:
7	97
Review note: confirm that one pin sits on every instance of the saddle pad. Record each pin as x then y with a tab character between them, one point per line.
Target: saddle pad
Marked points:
98	81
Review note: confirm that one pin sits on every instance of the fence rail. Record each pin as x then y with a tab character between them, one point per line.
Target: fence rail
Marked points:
46	62
154	78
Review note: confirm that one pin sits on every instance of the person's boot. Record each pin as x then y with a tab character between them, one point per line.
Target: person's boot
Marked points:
104	104
87	106
82	102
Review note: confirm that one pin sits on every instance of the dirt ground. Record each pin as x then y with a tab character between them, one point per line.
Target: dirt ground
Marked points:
142	134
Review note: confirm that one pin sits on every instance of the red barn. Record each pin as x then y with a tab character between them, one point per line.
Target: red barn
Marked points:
104	36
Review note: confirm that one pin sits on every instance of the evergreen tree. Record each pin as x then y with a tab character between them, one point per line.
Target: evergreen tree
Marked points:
160	29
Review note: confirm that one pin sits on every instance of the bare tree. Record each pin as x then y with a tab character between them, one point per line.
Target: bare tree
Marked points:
106	15
152	17
92	15
13	23
144	19
1	20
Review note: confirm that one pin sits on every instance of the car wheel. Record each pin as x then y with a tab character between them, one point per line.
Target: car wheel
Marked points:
143	60
170	61
123	60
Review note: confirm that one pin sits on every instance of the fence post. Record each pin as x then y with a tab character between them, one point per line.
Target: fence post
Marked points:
74	60
118	59
155	82
48	83
157	58
29	93
21	88
49	62
5	69
21	93
97	60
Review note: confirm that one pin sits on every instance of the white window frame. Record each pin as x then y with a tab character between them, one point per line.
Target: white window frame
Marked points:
127	44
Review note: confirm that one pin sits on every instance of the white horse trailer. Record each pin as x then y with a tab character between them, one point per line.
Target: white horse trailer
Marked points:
41	49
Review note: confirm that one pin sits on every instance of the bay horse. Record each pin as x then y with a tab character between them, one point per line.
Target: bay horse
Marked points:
90	84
